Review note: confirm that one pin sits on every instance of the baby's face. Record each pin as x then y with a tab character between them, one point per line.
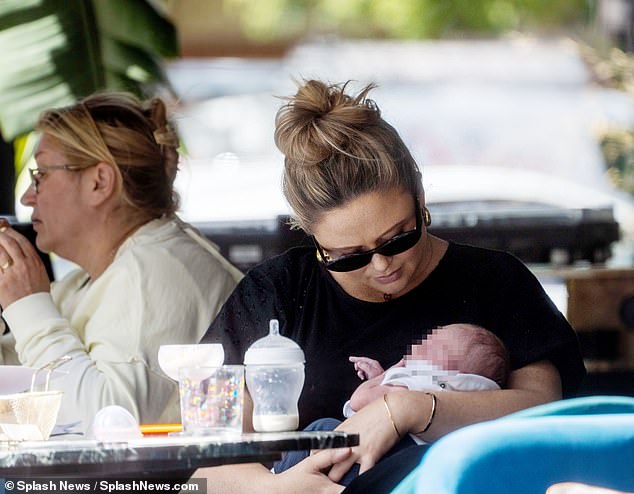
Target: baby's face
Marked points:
443	348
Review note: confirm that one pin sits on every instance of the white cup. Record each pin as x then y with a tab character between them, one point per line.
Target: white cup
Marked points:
172	357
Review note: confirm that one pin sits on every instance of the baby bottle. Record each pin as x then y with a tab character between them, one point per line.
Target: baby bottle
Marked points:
275	377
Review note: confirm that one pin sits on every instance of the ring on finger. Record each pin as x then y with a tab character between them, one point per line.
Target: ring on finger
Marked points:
6	265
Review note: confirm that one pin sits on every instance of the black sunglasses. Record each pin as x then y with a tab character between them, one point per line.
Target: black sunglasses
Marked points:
396	245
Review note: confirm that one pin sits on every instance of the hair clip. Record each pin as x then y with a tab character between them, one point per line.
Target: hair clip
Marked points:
164	136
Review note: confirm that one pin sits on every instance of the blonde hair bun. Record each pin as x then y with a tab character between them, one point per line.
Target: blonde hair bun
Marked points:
321	120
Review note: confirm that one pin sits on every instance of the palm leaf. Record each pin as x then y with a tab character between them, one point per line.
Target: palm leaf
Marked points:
55	51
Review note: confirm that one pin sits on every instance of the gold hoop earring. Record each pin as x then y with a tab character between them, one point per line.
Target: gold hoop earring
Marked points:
426	216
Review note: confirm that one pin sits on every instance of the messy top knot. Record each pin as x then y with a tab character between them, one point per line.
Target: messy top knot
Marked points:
337	147
321	121
132	136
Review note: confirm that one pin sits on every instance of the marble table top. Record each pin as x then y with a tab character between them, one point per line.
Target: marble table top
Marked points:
158	454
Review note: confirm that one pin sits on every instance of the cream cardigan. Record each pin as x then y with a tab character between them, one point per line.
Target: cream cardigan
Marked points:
165	285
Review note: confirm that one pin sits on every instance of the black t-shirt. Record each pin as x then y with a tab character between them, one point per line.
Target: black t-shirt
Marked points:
470	285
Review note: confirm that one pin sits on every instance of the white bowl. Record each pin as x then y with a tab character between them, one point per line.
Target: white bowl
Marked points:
173	357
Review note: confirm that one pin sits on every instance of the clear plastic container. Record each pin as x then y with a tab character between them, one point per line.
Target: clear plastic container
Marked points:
275	378
112	424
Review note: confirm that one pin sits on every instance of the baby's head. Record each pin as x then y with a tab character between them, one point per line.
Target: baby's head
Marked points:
466	348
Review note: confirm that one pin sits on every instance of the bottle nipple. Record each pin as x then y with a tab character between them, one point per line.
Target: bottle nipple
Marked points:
274	327
274	349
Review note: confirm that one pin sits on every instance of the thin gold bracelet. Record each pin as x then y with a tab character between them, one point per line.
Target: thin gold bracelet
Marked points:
389	414
434	403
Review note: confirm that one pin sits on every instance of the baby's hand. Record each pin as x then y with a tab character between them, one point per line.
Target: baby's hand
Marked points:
366	368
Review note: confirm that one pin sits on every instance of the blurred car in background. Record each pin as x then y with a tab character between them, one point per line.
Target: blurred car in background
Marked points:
540	219
505	132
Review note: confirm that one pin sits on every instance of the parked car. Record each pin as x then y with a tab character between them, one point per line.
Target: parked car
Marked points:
239	205
505	132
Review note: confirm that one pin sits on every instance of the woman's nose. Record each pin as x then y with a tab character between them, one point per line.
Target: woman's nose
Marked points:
381	263
28	198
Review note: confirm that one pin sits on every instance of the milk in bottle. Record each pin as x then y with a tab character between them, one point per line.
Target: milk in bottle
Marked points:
275	377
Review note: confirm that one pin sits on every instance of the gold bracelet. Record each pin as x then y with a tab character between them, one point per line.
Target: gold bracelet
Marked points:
389	414
434	403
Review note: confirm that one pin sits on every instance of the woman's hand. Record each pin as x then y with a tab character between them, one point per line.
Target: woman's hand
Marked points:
377	436
22	272
310	474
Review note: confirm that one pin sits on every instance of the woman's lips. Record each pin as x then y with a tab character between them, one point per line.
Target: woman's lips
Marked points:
390	278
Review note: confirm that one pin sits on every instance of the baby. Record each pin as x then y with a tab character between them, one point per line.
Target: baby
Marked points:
456	357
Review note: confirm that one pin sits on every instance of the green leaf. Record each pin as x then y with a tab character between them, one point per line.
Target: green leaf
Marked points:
136	65
141	26
54	52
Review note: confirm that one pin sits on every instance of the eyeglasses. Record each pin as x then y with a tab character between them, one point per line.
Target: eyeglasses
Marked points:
396	245
37	174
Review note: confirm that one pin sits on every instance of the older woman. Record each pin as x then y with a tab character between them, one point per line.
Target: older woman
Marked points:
372	281
102	196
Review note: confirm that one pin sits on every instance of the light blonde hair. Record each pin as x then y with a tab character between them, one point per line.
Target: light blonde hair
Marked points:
134	137
337	147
